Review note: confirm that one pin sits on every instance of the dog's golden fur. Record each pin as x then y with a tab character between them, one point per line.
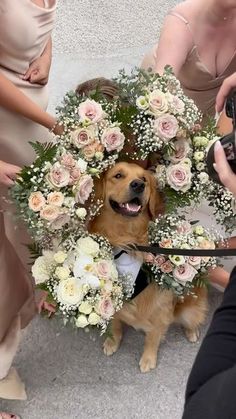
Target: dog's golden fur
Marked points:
152	310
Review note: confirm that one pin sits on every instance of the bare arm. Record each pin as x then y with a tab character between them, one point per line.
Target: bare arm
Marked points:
174	45
14	100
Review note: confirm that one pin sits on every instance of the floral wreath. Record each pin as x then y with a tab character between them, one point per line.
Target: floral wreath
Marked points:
56	197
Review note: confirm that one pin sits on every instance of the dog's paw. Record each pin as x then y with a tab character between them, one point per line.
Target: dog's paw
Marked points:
192	334
147	363
110	346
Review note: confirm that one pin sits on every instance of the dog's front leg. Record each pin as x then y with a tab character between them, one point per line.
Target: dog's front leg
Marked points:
112	343
153	338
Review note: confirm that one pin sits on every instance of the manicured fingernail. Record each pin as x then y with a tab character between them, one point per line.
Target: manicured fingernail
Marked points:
217	145
215	167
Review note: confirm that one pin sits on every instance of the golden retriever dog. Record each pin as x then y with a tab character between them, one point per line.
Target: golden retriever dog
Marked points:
131	200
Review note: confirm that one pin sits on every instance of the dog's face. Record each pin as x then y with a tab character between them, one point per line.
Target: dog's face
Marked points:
129	190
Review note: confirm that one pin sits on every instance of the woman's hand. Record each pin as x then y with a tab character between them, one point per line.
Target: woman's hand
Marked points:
8	173
38	71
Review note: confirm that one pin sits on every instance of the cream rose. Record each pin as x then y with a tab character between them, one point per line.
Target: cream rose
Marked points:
83	136
58	176
179	177
88	246
69	292
82	165
42	269
203	177
90	111
60	256
184	273
81	321
106	308
81	213
55	198
62	273
94	319
49	212
166	127
85	307
83	189
90	150
36	201
158	104
113	139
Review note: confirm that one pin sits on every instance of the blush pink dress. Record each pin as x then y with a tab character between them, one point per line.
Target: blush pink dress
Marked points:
25	30
197	81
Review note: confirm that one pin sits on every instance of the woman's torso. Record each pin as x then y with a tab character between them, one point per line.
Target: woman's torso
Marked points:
25	29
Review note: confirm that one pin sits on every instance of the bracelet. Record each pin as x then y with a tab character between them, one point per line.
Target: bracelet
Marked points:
54	127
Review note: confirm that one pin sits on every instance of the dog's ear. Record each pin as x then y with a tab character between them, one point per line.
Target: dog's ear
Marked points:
156	202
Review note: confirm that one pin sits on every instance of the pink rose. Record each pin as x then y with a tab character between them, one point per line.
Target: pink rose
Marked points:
179	177
60	221
58	176
159	260
83	189
103	269
56	198
166	127
178	105
158	104
49	212
167	267
184	273
67	161
106	308
166	243
113	139
194	260
75	174
184	228
89	110
36	201
149	258
83	136
180	152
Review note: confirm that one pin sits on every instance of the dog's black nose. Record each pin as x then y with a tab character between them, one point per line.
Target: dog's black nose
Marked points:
137	185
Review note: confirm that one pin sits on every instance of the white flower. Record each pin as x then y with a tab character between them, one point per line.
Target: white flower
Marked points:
62	273
69	202
200	166
99	156
43	267
142	103
81	213
177	260
60	256
93	319
85	307
81	321
70	292
203	177
82	165
200	141
198	156
88	246
199	230
84	270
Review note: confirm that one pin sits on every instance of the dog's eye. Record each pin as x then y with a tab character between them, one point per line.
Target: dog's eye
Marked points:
144	179
118	176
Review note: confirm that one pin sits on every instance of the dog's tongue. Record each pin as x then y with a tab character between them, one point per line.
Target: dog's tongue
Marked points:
132	207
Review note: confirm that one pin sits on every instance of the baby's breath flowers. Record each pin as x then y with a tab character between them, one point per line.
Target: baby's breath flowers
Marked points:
179	273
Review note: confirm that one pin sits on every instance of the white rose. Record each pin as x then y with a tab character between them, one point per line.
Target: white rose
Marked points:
203	177
142	103
81	213
93	319
41	270
62	273
200	166
60	256
69	202
158	104
99	156
85	307
88	246
70	292
81	321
